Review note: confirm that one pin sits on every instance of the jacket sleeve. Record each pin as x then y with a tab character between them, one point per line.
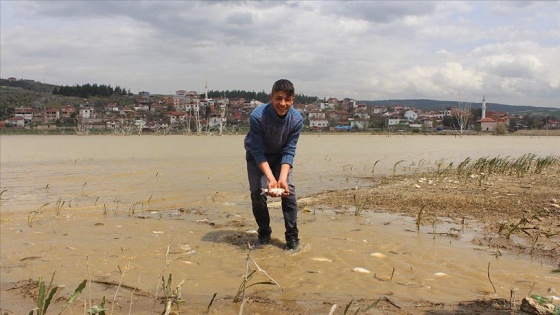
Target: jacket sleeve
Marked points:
257	139
289	151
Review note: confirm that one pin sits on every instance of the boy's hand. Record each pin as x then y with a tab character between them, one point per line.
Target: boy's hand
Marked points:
284	185
271	185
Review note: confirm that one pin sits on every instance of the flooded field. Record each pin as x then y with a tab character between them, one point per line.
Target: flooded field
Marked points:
131	209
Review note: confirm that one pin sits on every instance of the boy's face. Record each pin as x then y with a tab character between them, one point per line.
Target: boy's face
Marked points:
281	102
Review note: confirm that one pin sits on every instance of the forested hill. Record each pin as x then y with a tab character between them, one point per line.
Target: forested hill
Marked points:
29	85
427	105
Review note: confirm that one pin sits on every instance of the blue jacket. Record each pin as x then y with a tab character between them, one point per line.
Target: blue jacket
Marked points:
271	134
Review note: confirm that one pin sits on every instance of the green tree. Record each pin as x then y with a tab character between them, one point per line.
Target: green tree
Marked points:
447	121
501	129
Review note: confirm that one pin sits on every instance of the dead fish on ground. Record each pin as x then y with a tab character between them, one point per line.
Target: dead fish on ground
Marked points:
361	270
378	255
274	191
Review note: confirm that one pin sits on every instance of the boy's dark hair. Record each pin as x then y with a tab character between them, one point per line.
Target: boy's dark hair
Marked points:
285	86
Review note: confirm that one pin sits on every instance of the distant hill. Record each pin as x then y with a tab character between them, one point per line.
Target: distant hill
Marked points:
29	92
29	85
428	105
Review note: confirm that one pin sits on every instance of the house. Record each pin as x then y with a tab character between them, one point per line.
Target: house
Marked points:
428	123
487	124
113	124
67	110
157	106
393	121
112	107
87	112
237	102
317	120
177	118
379	109
358	123
444	113
142	107
491	120
216	120
17	122
26	113
360	107
349	104
410	115
338	116
325	106
318	123
221	101
255	103
362	113
235	114
178	102
51	115
315	115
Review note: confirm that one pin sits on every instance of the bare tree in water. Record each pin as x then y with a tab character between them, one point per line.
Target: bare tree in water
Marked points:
461	115
223	114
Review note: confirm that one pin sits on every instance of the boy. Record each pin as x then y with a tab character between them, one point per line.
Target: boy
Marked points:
270	146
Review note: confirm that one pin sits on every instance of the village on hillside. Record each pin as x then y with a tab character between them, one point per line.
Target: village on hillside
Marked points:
191	112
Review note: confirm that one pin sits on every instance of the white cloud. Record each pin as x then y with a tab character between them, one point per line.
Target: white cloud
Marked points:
357	49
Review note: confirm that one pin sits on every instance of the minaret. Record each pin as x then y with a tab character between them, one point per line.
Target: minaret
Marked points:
206	90
483	107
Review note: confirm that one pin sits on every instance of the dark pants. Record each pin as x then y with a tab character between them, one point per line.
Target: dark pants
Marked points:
257	180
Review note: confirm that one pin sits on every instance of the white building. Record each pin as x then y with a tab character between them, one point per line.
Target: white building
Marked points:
87	112
318	123
411	115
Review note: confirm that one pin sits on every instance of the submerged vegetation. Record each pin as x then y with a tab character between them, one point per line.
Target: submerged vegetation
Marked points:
520	190
513	195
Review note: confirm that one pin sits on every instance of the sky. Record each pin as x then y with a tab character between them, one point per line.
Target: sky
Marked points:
506	51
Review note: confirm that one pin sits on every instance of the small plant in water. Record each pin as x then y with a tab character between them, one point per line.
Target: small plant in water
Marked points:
171	296
359	206
373	168
395	166
58	206
419	218
46	295
31	217
513	227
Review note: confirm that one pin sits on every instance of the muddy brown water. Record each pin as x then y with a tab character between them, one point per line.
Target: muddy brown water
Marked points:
91	207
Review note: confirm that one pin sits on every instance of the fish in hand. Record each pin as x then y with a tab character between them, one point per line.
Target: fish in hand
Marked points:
276	192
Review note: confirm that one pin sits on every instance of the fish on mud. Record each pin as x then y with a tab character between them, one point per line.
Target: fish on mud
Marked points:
277	192
361	270
378	255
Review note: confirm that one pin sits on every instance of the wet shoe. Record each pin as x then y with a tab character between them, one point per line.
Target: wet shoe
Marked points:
292	244
264	236
263	240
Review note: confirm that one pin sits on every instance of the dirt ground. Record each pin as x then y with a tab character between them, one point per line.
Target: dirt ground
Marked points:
526	207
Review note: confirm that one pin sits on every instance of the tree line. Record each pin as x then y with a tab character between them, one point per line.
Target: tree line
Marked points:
259	96
88	90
